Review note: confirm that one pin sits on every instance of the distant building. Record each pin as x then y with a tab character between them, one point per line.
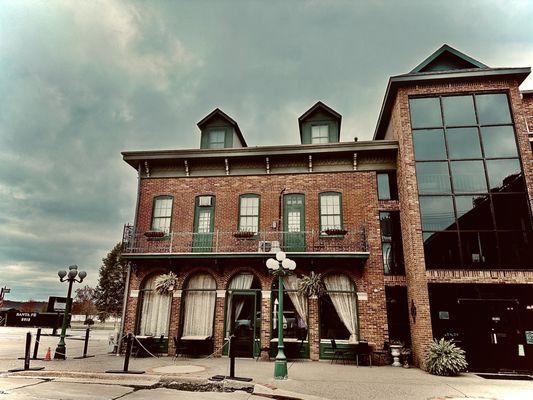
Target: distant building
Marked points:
423	232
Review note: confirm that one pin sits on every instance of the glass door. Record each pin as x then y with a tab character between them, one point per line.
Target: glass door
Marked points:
245	320
203	224
294	222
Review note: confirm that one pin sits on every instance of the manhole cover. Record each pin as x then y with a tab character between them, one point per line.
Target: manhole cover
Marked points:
179	369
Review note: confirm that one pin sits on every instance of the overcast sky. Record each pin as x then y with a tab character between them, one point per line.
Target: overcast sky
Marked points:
81	81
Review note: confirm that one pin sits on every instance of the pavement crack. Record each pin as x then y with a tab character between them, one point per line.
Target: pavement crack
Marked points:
43	380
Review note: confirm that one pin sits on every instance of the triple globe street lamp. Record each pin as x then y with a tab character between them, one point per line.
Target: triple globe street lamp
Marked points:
70	277
280	267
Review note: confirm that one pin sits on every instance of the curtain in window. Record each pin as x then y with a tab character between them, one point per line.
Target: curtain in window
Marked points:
345	303
239	282
199	306
155	312
299	300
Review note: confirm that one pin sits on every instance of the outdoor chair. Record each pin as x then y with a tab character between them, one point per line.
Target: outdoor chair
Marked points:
363	350
339	354
180	347
382	354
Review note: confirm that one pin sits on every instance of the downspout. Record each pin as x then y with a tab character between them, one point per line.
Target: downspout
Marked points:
280	227
128	272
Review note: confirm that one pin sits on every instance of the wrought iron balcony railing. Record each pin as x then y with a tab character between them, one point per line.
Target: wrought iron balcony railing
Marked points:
243	242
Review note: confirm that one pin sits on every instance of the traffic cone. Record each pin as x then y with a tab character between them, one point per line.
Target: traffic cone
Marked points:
48	356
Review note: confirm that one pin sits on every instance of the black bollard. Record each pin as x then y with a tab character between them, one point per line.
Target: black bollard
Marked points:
231	354
125	370
85	345
27	357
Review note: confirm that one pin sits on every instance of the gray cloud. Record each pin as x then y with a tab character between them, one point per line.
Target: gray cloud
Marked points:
82	81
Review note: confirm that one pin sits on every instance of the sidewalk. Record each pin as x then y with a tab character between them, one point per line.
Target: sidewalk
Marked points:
320	379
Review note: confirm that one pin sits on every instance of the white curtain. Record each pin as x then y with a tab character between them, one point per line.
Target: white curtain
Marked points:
345	303
239	282
298	299
155	312
199	306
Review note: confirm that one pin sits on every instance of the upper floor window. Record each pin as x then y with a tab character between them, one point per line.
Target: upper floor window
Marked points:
162	214
216	139
319	134
330	211
391	243
387	187
249	213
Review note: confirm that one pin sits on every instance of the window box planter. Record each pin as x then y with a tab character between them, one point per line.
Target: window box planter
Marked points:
154	234
335	232
244	234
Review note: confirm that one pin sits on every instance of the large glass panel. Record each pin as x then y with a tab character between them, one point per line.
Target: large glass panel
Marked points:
511	211
473	212
383	186
479	249
499	141
425	113
463	143
437	213
516	248
504	175
468	177
429	144
441	249
493	109
433	177
458	110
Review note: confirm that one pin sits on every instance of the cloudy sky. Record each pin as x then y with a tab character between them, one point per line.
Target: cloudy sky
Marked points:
81	81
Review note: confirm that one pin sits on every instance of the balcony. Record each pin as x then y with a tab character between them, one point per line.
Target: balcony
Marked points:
220	244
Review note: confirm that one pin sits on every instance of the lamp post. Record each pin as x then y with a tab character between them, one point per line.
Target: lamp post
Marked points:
61	349
280	267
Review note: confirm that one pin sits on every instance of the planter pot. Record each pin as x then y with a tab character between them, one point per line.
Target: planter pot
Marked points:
336	232
395	350
154	234
244	235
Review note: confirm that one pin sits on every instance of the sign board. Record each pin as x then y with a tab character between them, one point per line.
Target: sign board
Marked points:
362	296
56	304
529	337
134	293
444	315
33	319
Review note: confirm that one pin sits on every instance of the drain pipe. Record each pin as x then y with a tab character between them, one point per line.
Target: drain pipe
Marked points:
281	208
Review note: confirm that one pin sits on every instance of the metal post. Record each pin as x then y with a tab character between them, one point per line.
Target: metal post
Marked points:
280	366
125	370
36	346
61	349
231	357
85	345
27	357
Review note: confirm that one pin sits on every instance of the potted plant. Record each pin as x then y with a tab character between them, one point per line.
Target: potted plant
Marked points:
165	283
154	234
244	234
311	285
445	358
395	351
335	232
406	354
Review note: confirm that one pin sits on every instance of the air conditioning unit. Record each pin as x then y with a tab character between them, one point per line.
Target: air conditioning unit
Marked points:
266	246
204	201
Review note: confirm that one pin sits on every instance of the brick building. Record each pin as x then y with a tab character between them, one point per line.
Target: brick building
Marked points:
424	231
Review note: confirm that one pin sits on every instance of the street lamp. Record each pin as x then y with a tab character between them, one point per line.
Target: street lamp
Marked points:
280	267
70	277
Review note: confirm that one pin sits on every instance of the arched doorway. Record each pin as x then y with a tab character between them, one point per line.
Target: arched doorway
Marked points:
243	314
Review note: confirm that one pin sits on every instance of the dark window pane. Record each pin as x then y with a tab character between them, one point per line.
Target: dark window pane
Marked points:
473	212
505	175
516	248
511	211
463	143
391	242
479	249
493	109
458	110
425	113
429	144
441	249
468	177
433	177
383	186
437	213
499	141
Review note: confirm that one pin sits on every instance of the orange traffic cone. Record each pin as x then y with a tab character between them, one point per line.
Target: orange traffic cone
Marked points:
48	356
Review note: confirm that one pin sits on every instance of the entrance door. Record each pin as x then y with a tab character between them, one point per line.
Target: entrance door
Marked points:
491	334
294	222
203	224
245	321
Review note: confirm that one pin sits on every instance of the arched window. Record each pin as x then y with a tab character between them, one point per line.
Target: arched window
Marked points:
199	307
155	310
338	309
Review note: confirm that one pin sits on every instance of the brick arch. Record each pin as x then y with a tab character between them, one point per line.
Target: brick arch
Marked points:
200	270
261	277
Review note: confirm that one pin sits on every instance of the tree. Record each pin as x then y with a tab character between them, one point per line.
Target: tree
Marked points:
28	306
111	282
84	302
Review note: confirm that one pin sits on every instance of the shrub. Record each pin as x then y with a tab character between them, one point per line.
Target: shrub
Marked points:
445	358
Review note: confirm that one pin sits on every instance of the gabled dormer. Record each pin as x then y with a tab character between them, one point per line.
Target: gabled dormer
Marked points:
447	58
320	124
218	131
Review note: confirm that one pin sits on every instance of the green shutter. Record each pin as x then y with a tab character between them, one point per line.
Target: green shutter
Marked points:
204	141
306	133
333	131
228	139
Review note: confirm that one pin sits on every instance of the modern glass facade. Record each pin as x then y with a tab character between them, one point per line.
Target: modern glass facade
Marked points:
473	202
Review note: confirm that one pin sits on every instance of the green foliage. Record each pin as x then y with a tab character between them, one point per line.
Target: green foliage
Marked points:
445	358
111	282
165	283
311	285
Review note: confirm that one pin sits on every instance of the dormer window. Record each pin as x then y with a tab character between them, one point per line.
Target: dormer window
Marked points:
220	131
319	134
216	139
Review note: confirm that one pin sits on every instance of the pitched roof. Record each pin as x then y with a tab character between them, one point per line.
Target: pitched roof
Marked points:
217	112
319	106
446	58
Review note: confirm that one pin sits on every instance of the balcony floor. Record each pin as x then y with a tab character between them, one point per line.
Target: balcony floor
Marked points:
260	255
